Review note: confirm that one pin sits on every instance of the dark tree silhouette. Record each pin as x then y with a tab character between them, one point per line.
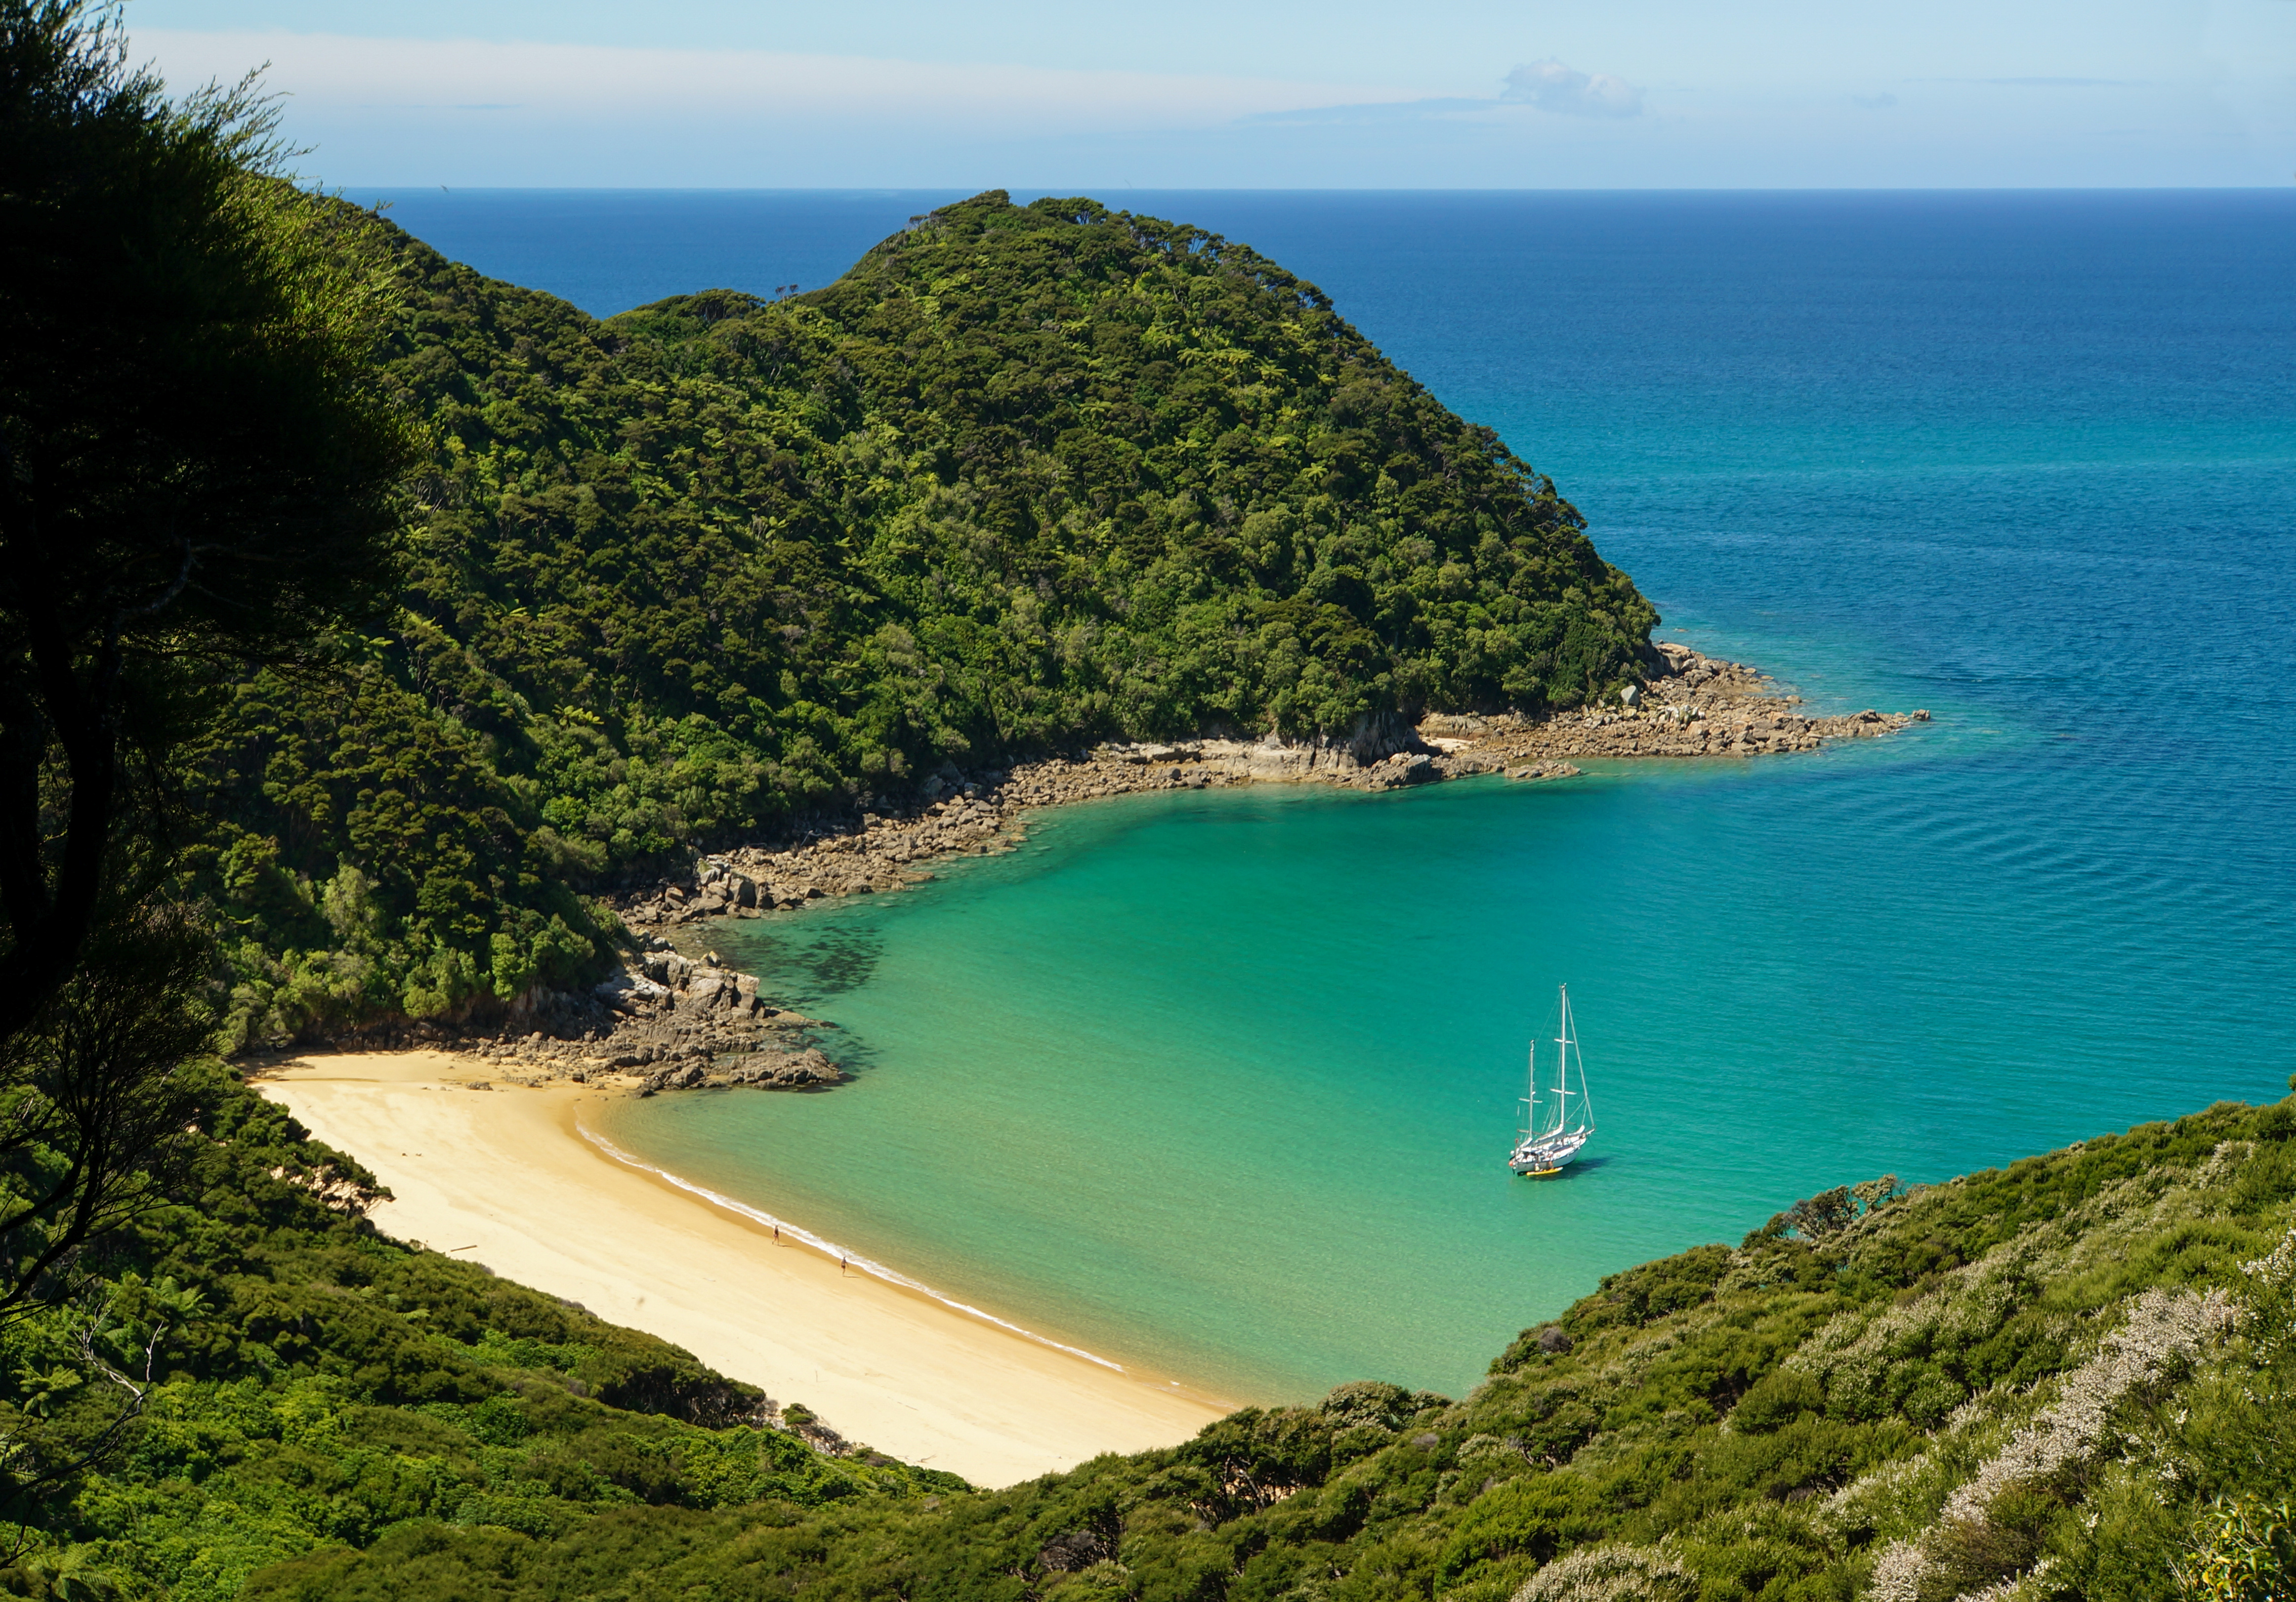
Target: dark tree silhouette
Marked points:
193	473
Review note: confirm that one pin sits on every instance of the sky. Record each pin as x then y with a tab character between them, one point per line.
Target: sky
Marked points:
1274	93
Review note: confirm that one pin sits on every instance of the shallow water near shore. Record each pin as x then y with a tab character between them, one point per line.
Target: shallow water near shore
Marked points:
1220	1084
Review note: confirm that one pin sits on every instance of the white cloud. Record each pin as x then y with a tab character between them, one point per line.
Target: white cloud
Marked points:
1551	86
390	111
338	73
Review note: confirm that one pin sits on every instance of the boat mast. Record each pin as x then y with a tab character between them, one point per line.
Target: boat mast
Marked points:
1562	1066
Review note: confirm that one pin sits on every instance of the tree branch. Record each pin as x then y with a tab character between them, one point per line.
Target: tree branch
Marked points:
137	1395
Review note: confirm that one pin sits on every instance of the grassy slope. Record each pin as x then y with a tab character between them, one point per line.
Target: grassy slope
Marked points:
1774	1421
1023	477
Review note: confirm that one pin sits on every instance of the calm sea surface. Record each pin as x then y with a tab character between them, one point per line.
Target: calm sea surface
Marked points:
1220	1084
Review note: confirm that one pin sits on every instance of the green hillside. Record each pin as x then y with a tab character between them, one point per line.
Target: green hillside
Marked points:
2076	1371
1024	477
318	1384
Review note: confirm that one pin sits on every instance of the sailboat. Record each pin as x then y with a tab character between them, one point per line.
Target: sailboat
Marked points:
1552	1134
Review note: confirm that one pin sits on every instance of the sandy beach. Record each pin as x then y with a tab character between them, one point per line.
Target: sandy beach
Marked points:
504	1177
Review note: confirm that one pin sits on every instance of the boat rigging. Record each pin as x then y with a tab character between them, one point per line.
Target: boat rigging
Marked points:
1554	1129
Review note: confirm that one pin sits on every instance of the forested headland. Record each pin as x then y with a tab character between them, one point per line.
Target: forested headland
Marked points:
1024	477
358	615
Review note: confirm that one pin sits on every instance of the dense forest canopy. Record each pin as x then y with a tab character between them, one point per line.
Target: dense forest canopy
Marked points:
1024	477
196	472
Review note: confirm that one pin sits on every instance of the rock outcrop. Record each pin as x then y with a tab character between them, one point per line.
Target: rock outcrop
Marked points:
1690	706
1693	706
678	1023
668	1021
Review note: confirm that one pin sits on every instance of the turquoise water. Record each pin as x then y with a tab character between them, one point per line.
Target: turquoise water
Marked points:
1220	1084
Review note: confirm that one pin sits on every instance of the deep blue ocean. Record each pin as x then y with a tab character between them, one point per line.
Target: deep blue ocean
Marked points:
1219	1083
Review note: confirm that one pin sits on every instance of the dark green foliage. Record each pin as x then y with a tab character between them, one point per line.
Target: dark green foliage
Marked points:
1762	1423
1631	1299
88	1102
1781	1397
1824	1213
1532	1517
319	1384
195	470
1026	476
195	465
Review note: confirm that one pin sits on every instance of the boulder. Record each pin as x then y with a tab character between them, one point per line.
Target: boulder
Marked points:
787	1071
626	990
690	1078
1376	735
666	967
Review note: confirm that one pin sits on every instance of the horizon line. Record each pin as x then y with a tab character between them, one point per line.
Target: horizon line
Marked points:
1040	190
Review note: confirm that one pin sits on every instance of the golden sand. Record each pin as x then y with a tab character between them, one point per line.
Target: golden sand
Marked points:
504	1177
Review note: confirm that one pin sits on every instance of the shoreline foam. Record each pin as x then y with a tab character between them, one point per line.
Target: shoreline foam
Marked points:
881	1358
845	1258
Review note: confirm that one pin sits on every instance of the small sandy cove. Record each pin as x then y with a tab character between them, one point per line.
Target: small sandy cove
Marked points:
504	1177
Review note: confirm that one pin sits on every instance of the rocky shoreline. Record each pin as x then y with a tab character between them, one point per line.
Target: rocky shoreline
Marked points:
681	1019
1697	706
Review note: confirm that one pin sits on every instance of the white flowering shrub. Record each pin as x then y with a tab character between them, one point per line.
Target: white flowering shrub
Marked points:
1898	1572
1988	1523
2270	1298
1612	1574
2165	1330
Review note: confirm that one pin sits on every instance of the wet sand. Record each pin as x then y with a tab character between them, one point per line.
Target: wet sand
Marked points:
505	1177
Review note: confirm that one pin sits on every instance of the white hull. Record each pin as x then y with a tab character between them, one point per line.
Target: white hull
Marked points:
1549	1156
1540	1151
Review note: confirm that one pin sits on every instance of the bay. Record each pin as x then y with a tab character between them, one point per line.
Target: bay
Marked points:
1219	1083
